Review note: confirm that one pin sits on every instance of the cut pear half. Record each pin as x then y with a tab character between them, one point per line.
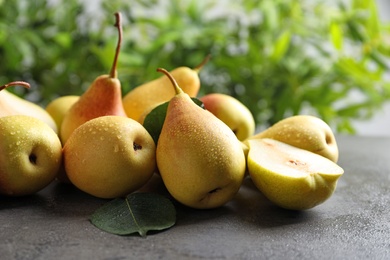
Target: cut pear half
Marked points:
291	177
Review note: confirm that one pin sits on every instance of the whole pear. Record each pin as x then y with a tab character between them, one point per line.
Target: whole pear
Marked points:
232	112
58	107
199	158
103	97
147	96
30	155
10	104
110	156
291	177
304	131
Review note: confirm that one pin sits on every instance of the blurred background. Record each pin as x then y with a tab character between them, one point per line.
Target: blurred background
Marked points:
278	57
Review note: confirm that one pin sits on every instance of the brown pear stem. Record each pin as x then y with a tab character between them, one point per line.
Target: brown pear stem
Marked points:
172	79
15	83
201	65
118	24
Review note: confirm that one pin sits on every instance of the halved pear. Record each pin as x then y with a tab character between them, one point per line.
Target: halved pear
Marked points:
291	177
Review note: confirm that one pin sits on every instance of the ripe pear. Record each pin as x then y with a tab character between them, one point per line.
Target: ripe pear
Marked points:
142	99
199	158
103	97
232	112
10	104
110	156
30	155
291	177
304	131
58	107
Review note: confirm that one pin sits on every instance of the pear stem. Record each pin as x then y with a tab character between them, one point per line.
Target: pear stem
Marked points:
15	83
172	79
118	24
201	65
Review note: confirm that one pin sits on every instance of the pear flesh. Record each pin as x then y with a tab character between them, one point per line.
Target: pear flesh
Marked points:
291	177
199	158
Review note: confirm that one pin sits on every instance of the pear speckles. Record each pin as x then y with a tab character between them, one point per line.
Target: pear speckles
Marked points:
198	155
106	165
116	148
102	98
28	142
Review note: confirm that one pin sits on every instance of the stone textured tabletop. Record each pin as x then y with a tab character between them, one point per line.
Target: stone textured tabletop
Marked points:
353	224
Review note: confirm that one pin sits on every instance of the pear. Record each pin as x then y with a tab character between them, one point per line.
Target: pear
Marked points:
57	108
109	156
232	112
10	104
200	160
103	97
142	99
30	155
291	177
304	131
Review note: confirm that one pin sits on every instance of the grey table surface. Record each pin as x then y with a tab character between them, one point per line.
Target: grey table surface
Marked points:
353	224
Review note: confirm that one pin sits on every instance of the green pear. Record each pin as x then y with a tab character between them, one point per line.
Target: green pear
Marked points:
109	156
103	97
58	108
30	155
291	177
10	104
232	112
304	131
200	160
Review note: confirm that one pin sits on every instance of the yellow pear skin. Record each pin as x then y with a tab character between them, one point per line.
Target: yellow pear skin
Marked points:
199	158
11	104
58	107
30	155
110	156
102	98
232	112
147	96
306	132
291	177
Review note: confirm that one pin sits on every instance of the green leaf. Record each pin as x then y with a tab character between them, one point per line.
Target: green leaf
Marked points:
154	121
63	39
281	46
336	35
138	212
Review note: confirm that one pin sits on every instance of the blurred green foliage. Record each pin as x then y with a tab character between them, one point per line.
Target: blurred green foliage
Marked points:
279	57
